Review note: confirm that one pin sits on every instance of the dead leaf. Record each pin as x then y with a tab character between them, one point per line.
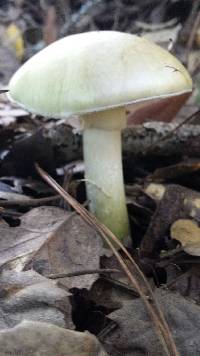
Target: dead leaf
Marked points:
184	281
133	334
74	246
52	240
28	295
187	233
17	244
36	338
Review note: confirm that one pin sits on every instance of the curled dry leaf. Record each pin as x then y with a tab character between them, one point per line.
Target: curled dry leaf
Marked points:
187	232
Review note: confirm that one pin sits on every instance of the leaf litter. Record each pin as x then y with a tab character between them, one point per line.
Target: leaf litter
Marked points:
51	245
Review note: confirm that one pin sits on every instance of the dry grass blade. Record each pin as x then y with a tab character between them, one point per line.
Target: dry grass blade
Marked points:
153	308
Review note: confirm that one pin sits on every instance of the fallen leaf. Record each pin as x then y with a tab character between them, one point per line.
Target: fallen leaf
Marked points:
35	338
17	244
28	295
74	246
52	240
133	333
187	233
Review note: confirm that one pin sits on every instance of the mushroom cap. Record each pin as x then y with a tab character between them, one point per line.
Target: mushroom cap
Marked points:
95	71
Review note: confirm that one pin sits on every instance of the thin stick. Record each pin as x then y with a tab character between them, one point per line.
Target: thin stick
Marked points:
29	202
121	285
82	273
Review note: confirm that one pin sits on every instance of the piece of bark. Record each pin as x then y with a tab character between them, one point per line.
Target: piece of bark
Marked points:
57	144
157	139
27	150
145	140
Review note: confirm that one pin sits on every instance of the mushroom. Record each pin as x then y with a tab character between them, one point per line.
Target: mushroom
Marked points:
97	75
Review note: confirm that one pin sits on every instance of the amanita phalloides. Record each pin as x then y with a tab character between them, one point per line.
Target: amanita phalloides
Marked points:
97	75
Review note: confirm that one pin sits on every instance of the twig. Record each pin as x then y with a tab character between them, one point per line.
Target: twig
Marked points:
82	273
121	285
29	202
160	324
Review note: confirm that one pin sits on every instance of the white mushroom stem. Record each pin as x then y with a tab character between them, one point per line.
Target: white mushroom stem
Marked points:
103	168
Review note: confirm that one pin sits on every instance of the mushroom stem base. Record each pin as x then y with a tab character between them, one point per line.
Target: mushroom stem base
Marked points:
104	179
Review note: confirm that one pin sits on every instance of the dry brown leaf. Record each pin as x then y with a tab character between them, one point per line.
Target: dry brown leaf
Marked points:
51	240
17	244
74	246
36	338
135	336
187	233
28	295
